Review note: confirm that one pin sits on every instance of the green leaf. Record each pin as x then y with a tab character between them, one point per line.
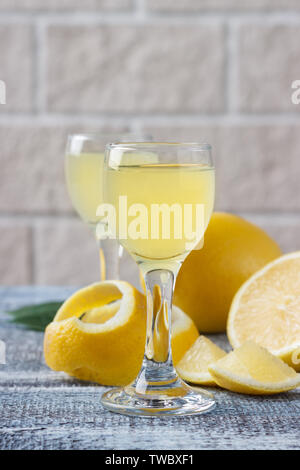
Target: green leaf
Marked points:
35	317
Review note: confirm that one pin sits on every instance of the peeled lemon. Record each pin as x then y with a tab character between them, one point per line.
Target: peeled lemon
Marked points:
99	334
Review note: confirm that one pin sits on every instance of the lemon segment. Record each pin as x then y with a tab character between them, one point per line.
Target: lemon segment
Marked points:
193	367
266	309
251	369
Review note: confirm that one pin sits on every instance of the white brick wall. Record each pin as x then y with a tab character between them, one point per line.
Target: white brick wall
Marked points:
215	70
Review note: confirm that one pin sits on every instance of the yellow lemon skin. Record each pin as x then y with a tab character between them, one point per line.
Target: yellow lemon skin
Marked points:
107	354
209	278
109	359
106	345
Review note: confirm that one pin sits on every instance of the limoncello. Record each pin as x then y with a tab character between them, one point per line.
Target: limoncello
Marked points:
84	175
148	187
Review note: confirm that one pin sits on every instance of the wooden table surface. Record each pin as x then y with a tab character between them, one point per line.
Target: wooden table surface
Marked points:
42	409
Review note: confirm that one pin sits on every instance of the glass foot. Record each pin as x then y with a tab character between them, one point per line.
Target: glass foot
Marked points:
178	400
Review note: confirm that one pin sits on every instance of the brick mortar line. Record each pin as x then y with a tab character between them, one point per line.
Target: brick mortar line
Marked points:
232	78
33	255
20	119
226	69
137	120
140	8
40	66
35	81
145	17
11	217
259	16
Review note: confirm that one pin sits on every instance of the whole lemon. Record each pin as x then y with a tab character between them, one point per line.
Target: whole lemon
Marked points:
208	279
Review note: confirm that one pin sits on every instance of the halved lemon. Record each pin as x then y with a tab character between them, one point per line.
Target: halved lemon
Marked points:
193	367
266	309
99	334
253	370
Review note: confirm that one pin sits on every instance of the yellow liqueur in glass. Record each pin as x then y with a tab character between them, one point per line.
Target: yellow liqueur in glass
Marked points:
162	208
84	176
177	186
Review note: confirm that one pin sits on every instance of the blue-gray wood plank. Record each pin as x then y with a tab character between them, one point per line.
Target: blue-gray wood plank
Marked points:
42	409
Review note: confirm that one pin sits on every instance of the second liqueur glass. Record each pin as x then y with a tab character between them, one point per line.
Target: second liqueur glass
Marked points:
164	185
84	166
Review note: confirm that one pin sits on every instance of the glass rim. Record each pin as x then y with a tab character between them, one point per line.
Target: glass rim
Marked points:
202	147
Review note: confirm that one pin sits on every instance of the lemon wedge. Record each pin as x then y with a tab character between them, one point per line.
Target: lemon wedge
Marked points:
252	369
193	367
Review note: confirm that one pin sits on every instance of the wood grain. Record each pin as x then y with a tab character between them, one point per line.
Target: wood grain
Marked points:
42	409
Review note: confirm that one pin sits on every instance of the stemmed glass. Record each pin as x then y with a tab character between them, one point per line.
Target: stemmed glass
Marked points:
84	166
169	194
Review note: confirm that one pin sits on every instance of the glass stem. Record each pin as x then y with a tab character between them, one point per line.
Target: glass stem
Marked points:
109	259
157	372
